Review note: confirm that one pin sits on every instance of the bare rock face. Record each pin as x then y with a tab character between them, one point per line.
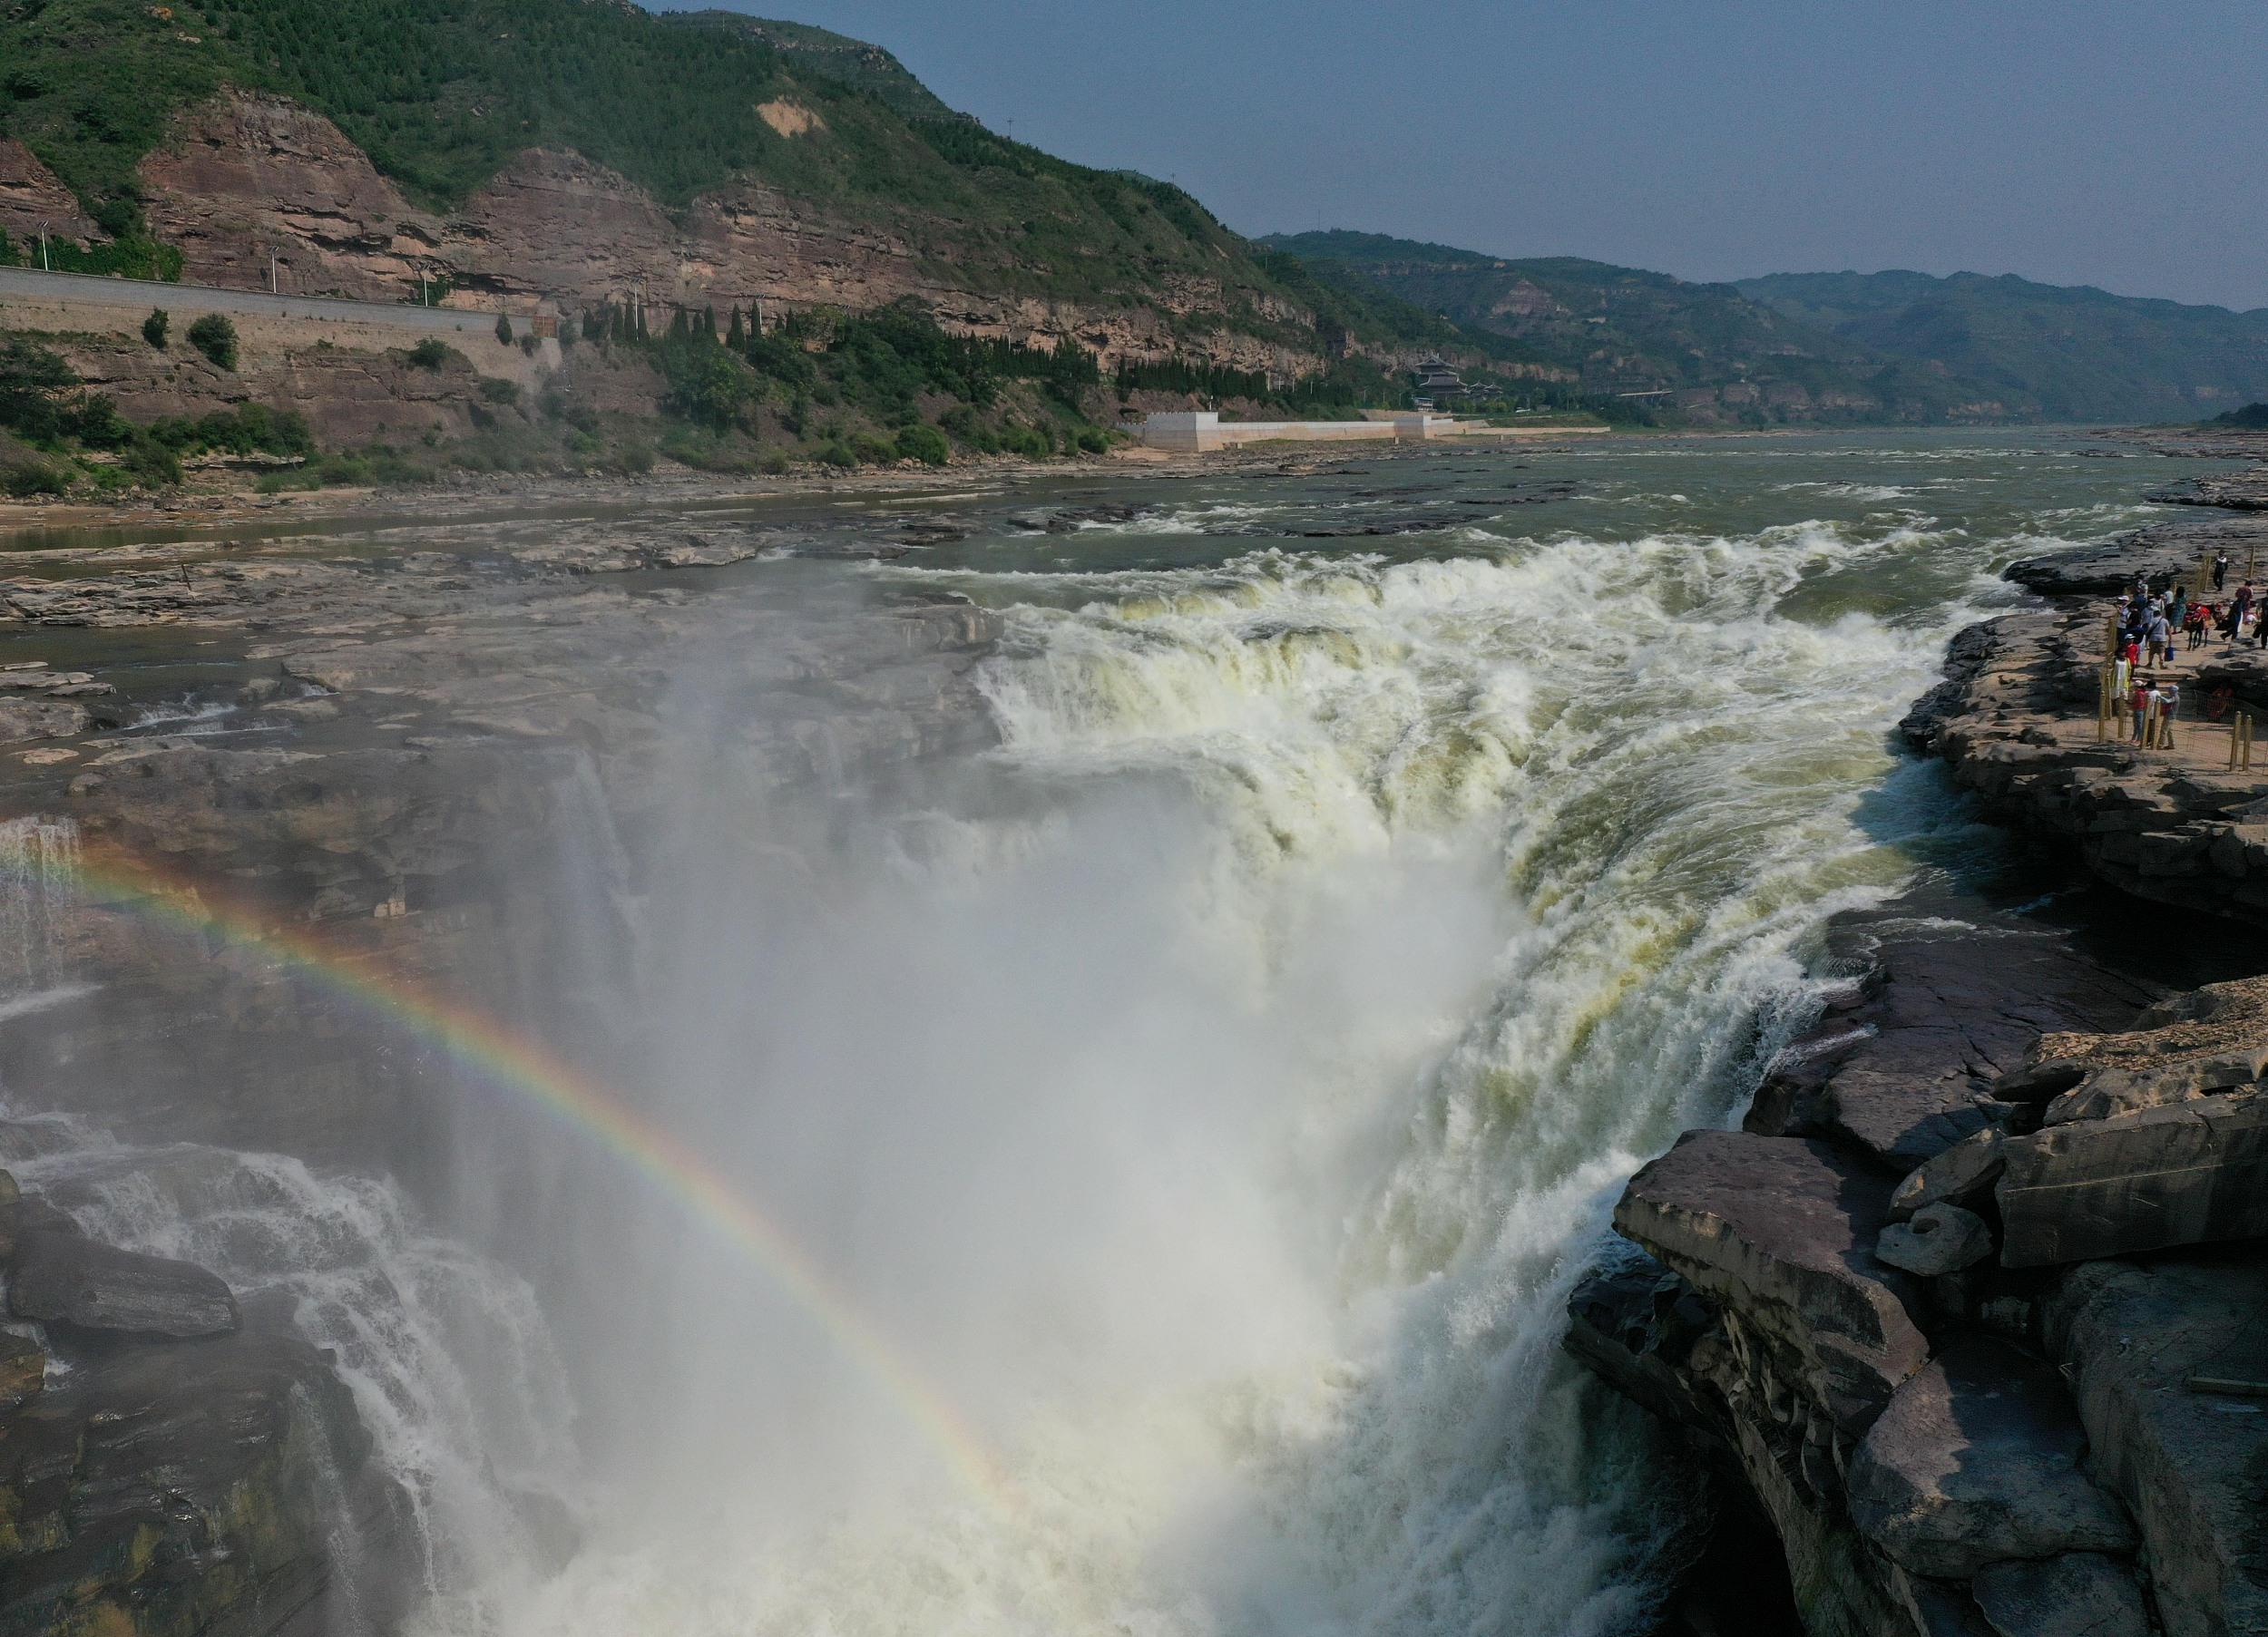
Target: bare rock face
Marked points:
1636	1323
2084	1594
2192	1465
1782	1230
246	174
33	200
552	222
1977	1459
2212	1039
185	1489
1937	1239
2184	1174
1955	995
66	1280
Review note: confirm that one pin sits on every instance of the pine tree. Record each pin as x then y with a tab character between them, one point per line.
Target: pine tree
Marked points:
736	334
709	321
676	325
504	328
643	333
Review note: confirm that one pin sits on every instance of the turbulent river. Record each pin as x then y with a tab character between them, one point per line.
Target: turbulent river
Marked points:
1176	1127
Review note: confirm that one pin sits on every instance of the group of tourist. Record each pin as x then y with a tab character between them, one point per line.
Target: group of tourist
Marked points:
2147	626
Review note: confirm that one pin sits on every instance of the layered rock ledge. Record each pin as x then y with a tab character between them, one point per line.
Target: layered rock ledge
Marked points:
1971	1307
173	1461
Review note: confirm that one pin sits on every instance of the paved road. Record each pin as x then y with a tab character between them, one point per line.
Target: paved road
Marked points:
31	285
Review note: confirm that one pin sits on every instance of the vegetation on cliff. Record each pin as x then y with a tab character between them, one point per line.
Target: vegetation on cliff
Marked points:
55	436
441	94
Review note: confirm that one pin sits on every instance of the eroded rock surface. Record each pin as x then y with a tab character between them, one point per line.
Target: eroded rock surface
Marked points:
181	1475
2084	1594
1978	1459
2192	1465
1783	1230
67	1280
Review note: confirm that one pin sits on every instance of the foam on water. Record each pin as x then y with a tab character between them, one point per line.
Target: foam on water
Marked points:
1648	777
1329	937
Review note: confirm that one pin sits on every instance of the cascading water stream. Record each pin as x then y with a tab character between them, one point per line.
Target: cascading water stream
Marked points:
1211	1095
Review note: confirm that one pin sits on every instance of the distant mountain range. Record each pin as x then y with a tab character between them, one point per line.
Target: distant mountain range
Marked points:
1825	346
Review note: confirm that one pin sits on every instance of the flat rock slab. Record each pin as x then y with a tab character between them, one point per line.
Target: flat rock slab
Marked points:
1957	993
2187	1174
1978	1459
2085	1594
66	1280
2191	1468
1781	1232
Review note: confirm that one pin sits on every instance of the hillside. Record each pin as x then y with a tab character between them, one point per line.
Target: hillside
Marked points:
2079	354
581	150
1707	349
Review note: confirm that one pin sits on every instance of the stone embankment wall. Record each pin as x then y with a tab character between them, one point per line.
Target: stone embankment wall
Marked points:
1202	431
1970	1305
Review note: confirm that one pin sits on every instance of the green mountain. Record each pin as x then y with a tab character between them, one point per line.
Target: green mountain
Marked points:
443	93
1705	348
2072	353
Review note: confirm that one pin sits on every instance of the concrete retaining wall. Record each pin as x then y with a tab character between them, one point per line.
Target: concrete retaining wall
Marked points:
1199	432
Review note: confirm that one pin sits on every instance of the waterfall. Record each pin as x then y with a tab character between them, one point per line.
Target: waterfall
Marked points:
1176	1128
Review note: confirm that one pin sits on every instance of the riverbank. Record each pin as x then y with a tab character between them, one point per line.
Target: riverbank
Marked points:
1966	1307
227	498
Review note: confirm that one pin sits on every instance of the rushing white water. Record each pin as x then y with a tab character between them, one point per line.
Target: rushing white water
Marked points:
1212	1096
1352	928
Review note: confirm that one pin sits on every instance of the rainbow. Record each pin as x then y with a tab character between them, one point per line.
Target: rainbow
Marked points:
106	877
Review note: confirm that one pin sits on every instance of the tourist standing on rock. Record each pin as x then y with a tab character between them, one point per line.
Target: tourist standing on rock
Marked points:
2241	606
2143	693
2219	569
2161	640
2169	702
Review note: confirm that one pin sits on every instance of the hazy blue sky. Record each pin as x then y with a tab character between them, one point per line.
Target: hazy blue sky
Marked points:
2116	142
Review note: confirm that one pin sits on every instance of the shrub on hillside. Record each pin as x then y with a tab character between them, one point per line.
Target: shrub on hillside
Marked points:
500	392
157	327
504	329
924	443
215	336
433	352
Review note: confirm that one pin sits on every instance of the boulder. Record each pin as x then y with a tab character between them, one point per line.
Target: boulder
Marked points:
1958	1176
65	1279
2192	1467
1938	1239
22	1370
2184	1174
1977	1459
1781	1230
2081	1594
